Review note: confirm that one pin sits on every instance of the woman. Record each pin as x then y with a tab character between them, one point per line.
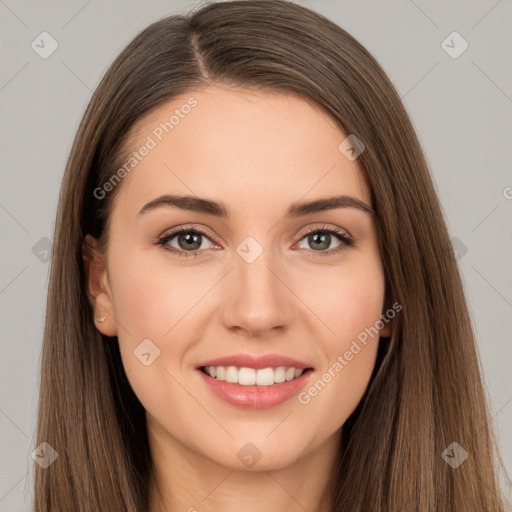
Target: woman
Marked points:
202	351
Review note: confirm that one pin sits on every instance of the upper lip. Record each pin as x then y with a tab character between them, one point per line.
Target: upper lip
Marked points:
257	362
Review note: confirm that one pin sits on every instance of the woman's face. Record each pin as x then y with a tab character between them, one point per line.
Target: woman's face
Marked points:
251	282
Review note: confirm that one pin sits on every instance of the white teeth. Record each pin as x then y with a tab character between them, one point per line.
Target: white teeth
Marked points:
221	372
246	376
232	374
290	373
265	377
250	376
280	374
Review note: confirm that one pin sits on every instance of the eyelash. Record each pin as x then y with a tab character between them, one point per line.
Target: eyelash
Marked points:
345	240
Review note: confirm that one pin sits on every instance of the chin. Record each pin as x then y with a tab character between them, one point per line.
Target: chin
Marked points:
256	454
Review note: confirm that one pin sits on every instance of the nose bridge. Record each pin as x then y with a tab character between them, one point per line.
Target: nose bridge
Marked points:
259	300
255	277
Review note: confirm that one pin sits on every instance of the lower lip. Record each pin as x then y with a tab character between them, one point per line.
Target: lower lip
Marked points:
256	397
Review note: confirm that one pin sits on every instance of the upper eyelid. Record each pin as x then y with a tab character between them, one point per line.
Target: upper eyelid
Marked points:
339	233
176	231
338	230
206	231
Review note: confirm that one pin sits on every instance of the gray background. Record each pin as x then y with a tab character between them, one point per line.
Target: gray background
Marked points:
461	108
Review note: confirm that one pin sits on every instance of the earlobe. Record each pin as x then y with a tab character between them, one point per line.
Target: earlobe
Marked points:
98	287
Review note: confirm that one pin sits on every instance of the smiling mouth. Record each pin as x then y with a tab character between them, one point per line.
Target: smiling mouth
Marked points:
245	376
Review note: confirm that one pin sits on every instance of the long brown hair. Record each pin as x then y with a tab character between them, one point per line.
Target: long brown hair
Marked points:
426	390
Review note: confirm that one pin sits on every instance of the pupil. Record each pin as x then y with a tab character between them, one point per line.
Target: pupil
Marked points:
190	239
325	239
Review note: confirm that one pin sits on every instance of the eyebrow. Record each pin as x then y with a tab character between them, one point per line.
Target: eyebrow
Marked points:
219	209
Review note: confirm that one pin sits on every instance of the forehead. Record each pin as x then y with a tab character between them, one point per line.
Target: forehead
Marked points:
244	147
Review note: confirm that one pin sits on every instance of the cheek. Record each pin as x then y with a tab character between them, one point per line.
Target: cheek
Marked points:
351	309
153	302
346	299
159	300
152	295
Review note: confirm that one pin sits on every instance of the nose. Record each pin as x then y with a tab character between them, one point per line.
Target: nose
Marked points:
258	301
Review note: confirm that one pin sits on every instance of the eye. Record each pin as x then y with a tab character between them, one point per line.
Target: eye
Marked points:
321	238
188	240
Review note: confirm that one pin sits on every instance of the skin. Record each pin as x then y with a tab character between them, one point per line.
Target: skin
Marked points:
257	153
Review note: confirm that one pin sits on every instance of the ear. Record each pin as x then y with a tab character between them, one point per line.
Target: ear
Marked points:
98	287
